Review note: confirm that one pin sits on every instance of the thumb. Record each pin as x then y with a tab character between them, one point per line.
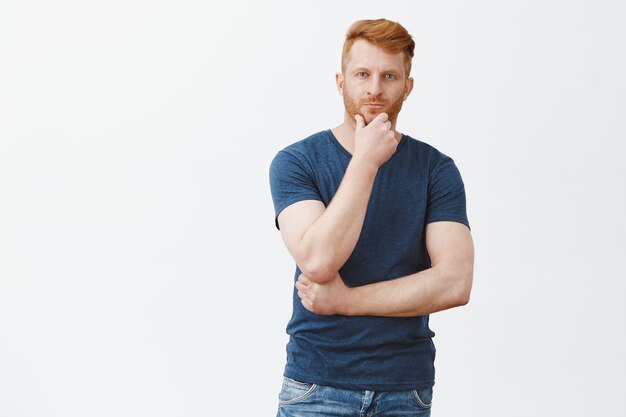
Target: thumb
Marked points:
360	121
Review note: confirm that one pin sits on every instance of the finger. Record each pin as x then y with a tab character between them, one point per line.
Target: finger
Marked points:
304	280
381	118
303	294
360	121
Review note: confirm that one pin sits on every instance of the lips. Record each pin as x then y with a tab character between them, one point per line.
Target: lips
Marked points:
374	105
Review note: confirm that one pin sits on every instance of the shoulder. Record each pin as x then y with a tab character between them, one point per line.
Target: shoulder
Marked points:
309	144
301	155
308	153
426	154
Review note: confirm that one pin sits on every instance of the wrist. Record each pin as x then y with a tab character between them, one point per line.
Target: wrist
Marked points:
364	166
350	302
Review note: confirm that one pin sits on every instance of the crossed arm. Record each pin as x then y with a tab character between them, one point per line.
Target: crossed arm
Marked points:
321	239
446	284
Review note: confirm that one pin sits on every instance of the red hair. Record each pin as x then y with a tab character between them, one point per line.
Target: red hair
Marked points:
392	37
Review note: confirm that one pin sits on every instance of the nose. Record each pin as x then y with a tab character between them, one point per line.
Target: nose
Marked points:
374	87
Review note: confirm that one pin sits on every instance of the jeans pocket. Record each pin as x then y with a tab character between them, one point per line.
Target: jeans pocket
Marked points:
424	397
295	391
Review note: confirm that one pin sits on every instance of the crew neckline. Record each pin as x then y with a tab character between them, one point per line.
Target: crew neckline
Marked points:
349	155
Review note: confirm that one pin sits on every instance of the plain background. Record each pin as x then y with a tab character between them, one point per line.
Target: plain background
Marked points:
140	270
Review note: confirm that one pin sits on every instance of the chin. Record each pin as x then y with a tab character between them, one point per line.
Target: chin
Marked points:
370	115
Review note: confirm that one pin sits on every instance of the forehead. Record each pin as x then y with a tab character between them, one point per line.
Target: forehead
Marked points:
364	54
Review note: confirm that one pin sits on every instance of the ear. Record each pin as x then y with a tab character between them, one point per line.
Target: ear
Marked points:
339	82
408	87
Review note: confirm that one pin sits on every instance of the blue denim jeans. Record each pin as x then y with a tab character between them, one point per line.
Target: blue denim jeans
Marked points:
310	400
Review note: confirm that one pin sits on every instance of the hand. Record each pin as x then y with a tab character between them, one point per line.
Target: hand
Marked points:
325	299
375	142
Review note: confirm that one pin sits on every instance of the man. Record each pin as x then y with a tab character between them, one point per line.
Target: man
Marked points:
376	223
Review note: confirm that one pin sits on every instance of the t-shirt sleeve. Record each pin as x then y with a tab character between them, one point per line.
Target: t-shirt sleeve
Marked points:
290	182
446	194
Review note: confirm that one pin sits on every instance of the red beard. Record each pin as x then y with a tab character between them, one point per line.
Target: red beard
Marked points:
353	108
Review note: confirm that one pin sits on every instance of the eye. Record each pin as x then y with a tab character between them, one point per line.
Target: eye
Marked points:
361	74
390	76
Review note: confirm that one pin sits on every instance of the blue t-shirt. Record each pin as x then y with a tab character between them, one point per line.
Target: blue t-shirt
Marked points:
416	186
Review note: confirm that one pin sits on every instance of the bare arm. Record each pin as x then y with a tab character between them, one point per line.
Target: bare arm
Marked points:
321	239
445	285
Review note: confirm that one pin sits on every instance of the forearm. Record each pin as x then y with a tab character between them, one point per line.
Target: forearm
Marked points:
329	241
422	293
445	285
321	239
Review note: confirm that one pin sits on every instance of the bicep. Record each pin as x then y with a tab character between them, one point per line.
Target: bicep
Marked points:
295	219
449	244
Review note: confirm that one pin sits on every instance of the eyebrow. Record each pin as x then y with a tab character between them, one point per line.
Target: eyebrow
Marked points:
386	71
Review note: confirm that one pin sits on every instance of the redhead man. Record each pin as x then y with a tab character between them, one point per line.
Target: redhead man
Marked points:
376	224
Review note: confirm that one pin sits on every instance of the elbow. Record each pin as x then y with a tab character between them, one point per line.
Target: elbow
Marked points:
463	288
463	299
460	288
318	272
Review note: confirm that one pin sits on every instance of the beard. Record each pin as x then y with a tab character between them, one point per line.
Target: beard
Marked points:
391	108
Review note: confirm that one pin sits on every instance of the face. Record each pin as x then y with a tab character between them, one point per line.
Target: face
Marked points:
373	82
